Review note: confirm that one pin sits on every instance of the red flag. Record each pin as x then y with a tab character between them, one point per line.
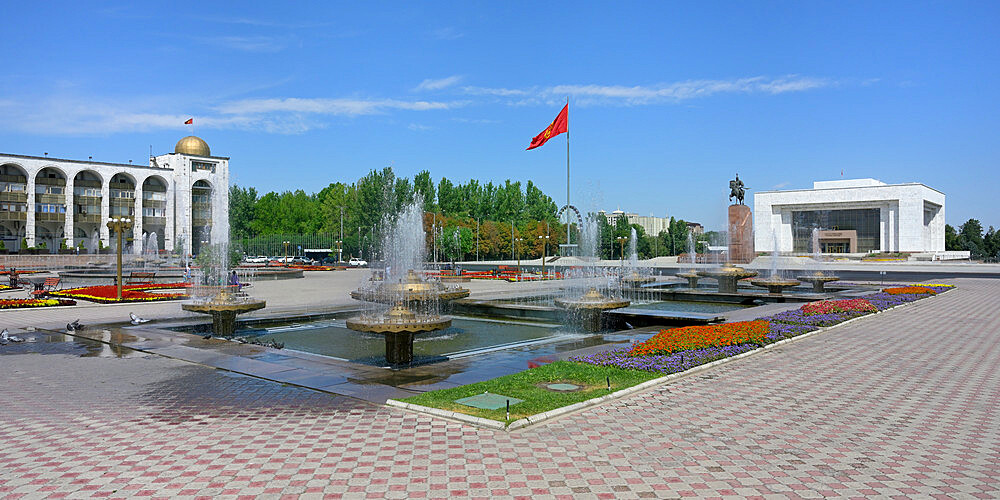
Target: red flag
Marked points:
558	126
189	122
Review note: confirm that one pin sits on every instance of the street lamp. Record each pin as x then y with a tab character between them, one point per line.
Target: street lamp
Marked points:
340	251
621	240
519	240
119	225
545	242
284	260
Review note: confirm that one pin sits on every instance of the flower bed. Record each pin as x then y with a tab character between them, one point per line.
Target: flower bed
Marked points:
837	306
703	336
313	268
676	350
26	303
108	294
910	290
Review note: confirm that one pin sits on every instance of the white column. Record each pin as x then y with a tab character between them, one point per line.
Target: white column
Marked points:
68	227
102	225
137	239
29	222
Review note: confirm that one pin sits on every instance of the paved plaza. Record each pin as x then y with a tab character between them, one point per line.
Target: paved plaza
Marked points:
901	404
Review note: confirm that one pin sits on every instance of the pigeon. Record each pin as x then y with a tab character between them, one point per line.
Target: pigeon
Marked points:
5	337
137	320
630	327
206	337
74	326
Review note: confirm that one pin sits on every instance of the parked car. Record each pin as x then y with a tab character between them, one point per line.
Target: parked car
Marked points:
356	262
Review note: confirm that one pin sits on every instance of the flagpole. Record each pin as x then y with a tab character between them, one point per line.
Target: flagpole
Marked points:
568	237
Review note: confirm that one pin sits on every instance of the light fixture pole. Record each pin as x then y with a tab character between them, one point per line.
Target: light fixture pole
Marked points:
519	240
119	225
477	240
284	260
621	240
545	241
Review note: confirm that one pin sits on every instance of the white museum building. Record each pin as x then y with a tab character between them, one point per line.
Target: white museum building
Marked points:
850	216
179	197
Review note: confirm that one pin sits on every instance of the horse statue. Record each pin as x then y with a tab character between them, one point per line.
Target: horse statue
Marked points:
736	190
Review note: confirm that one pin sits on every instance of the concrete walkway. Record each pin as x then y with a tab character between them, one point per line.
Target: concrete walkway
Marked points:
903	404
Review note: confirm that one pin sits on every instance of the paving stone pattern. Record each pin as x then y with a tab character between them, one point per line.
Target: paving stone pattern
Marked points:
904	404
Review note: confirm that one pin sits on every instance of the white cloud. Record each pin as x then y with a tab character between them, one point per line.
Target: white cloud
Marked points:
417	127
439	83
348	107
655	94
447	33
88	115
780	185
267	44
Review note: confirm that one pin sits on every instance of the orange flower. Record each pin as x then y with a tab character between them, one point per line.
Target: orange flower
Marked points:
909	290
700	337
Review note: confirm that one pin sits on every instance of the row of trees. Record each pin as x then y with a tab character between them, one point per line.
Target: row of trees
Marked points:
970	237
462	221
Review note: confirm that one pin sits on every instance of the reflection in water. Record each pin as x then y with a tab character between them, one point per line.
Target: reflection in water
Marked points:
59	343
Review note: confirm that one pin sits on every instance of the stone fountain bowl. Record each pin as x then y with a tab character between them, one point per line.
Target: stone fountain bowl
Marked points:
412	288
811	278
637	279
688	274
237	307
591	300
726	271
774	285
399	319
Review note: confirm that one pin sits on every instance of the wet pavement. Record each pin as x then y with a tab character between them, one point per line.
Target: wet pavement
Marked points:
903	404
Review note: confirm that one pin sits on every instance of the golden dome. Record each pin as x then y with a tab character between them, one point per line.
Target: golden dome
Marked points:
192	145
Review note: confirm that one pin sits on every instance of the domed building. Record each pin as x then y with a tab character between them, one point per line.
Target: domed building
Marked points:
178	199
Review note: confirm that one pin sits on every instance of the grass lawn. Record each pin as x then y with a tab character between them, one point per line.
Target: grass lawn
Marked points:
528	385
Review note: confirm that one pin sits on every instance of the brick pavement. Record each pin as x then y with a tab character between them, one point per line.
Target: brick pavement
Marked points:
903	404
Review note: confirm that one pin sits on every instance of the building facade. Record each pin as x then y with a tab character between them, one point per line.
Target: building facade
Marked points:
649	223
850	216
182	198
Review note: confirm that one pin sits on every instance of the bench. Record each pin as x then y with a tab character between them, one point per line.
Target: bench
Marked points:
49	285
140	278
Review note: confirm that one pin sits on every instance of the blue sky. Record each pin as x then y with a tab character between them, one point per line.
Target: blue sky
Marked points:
668	99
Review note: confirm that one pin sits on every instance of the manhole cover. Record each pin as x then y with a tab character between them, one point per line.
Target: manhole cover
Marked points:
562	387
488	401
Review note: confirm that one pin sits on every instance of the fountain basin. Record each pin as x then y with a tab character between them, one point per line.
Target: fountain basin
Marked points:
727	276
399	325
692	278
410	289
224	314
775	285
586	309
818	281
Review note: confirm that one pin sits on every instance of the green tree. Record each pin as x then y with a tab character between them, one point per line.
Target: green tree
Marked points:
423	186
970	237
242	203
951	238
457	242
991	244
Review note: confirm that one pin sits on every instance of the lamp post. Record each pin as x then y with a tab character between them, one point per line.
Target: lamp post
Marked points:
621	240
340	251
519	240
545	242
477	240
284	260
119	225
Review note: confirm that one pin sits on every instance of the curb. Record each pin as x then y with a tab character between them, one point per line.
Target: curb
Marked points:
649	384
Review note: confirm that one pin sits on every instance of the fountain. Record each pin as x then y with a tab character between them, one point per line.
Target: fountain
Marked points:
217	296
415	302
775	282
818	278
634	278
223	307
727	275
411	288
691	275
586	310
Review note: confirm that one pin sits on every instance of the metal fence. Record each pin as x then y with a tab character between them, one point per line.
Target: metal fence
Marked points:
276	245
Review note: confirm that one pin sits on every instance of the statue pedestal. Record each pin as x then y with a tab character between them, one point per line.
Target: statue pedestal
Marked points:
741	248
